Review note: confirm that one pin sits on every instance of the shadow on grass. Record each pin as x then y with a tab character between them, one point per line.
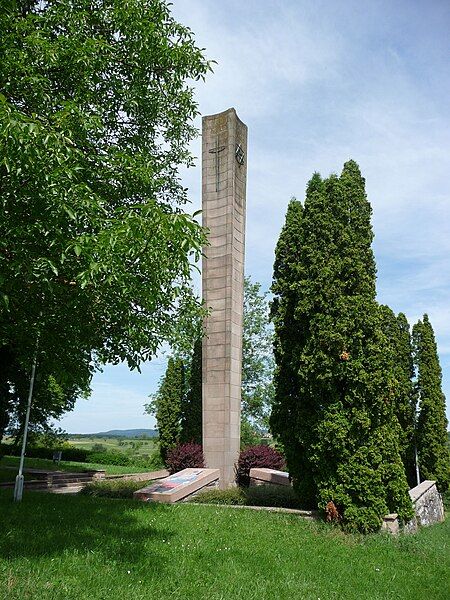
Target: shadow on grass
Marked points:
47	525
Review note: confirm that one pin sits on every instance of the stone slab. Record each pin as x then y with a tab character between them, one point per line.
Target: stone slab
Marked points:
427	503
177	486
264	475
428	508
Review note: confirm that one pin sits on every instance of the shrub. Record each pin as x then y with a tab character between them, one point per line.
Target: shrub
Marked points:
113	488
110	458
257	456
185	456
72	453
99	448
68	452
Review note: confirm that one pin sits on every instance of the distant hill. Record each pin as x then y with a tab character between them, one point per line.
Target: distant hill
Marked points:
127	433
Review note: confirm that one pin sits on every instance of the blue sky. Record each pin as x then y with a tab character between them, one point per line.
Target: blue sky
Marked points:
318	83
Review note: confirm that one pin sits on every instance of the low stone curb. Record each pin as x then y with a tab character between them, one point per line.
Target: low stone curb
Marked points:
304	514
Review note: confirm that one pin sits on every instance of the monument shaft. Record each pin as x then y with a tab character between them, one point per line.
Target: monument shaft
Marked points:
224	174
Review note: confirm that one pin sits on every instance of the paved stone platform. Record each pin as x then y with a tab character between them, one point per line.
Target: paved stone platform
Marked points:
177	486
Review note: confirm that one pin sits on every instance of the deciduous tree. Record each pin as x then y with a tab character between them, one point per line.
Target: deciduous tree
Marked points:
96	246
257	355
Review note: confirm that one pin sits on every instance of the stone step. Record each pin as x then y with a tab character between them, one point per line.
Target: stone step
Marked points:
65	474
72	478
59	489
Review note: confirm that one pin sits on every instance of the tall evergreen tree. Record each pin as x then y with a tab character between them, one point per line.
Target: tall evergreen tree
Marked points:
398	332
167	404
191	413
286	419
433	452
343	415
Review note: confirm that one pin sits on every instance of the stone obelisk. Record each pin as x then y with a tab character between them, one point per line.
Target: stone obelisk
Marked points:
224	174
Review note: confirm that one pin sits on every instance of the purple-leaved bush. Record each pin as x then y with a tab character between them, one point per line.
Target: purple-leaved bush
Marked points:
257	456
185	456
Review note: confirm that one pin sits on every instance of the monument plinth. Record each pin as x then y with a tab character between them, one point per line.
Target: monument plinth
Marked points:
224	175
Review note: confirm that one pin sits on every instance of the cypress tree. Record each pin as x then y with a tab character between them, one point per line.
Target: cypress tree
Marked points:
354	371
191	417
288	339
398	332
433	452
343	413
168	402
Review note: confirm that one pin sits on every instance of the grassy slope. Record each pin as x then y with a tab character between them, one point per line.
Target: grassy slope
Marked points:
42	463
74	547
132	446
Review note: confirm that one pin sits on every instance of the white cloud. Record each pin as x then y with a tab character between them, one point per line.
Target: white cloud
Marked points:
318	83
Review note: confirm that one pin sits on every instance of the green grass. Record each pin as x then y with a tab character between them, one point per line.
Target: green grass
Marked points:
261	495
78	547
49	465
113	488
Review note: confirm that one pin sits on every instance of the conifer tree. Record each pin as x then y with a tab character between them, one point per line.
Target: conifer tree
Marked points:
168	402
397	330
433	452
191	414
285	423
343	412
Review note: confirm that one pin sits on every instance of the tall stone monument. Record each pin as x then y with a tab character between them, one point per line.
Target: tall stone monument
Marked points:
224	174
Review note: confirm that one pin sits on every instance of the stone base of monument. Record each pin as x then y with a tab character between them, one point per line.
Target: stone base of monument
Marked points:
262	476
178	486
427	504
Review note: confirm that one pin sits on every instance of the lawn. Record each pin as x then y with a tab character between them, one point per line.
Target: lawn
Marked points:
78	547
7	475
66	465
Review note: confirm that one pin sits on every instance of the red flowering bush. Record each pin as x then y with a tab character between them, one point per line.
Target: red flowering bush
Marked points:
185	456
257	456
